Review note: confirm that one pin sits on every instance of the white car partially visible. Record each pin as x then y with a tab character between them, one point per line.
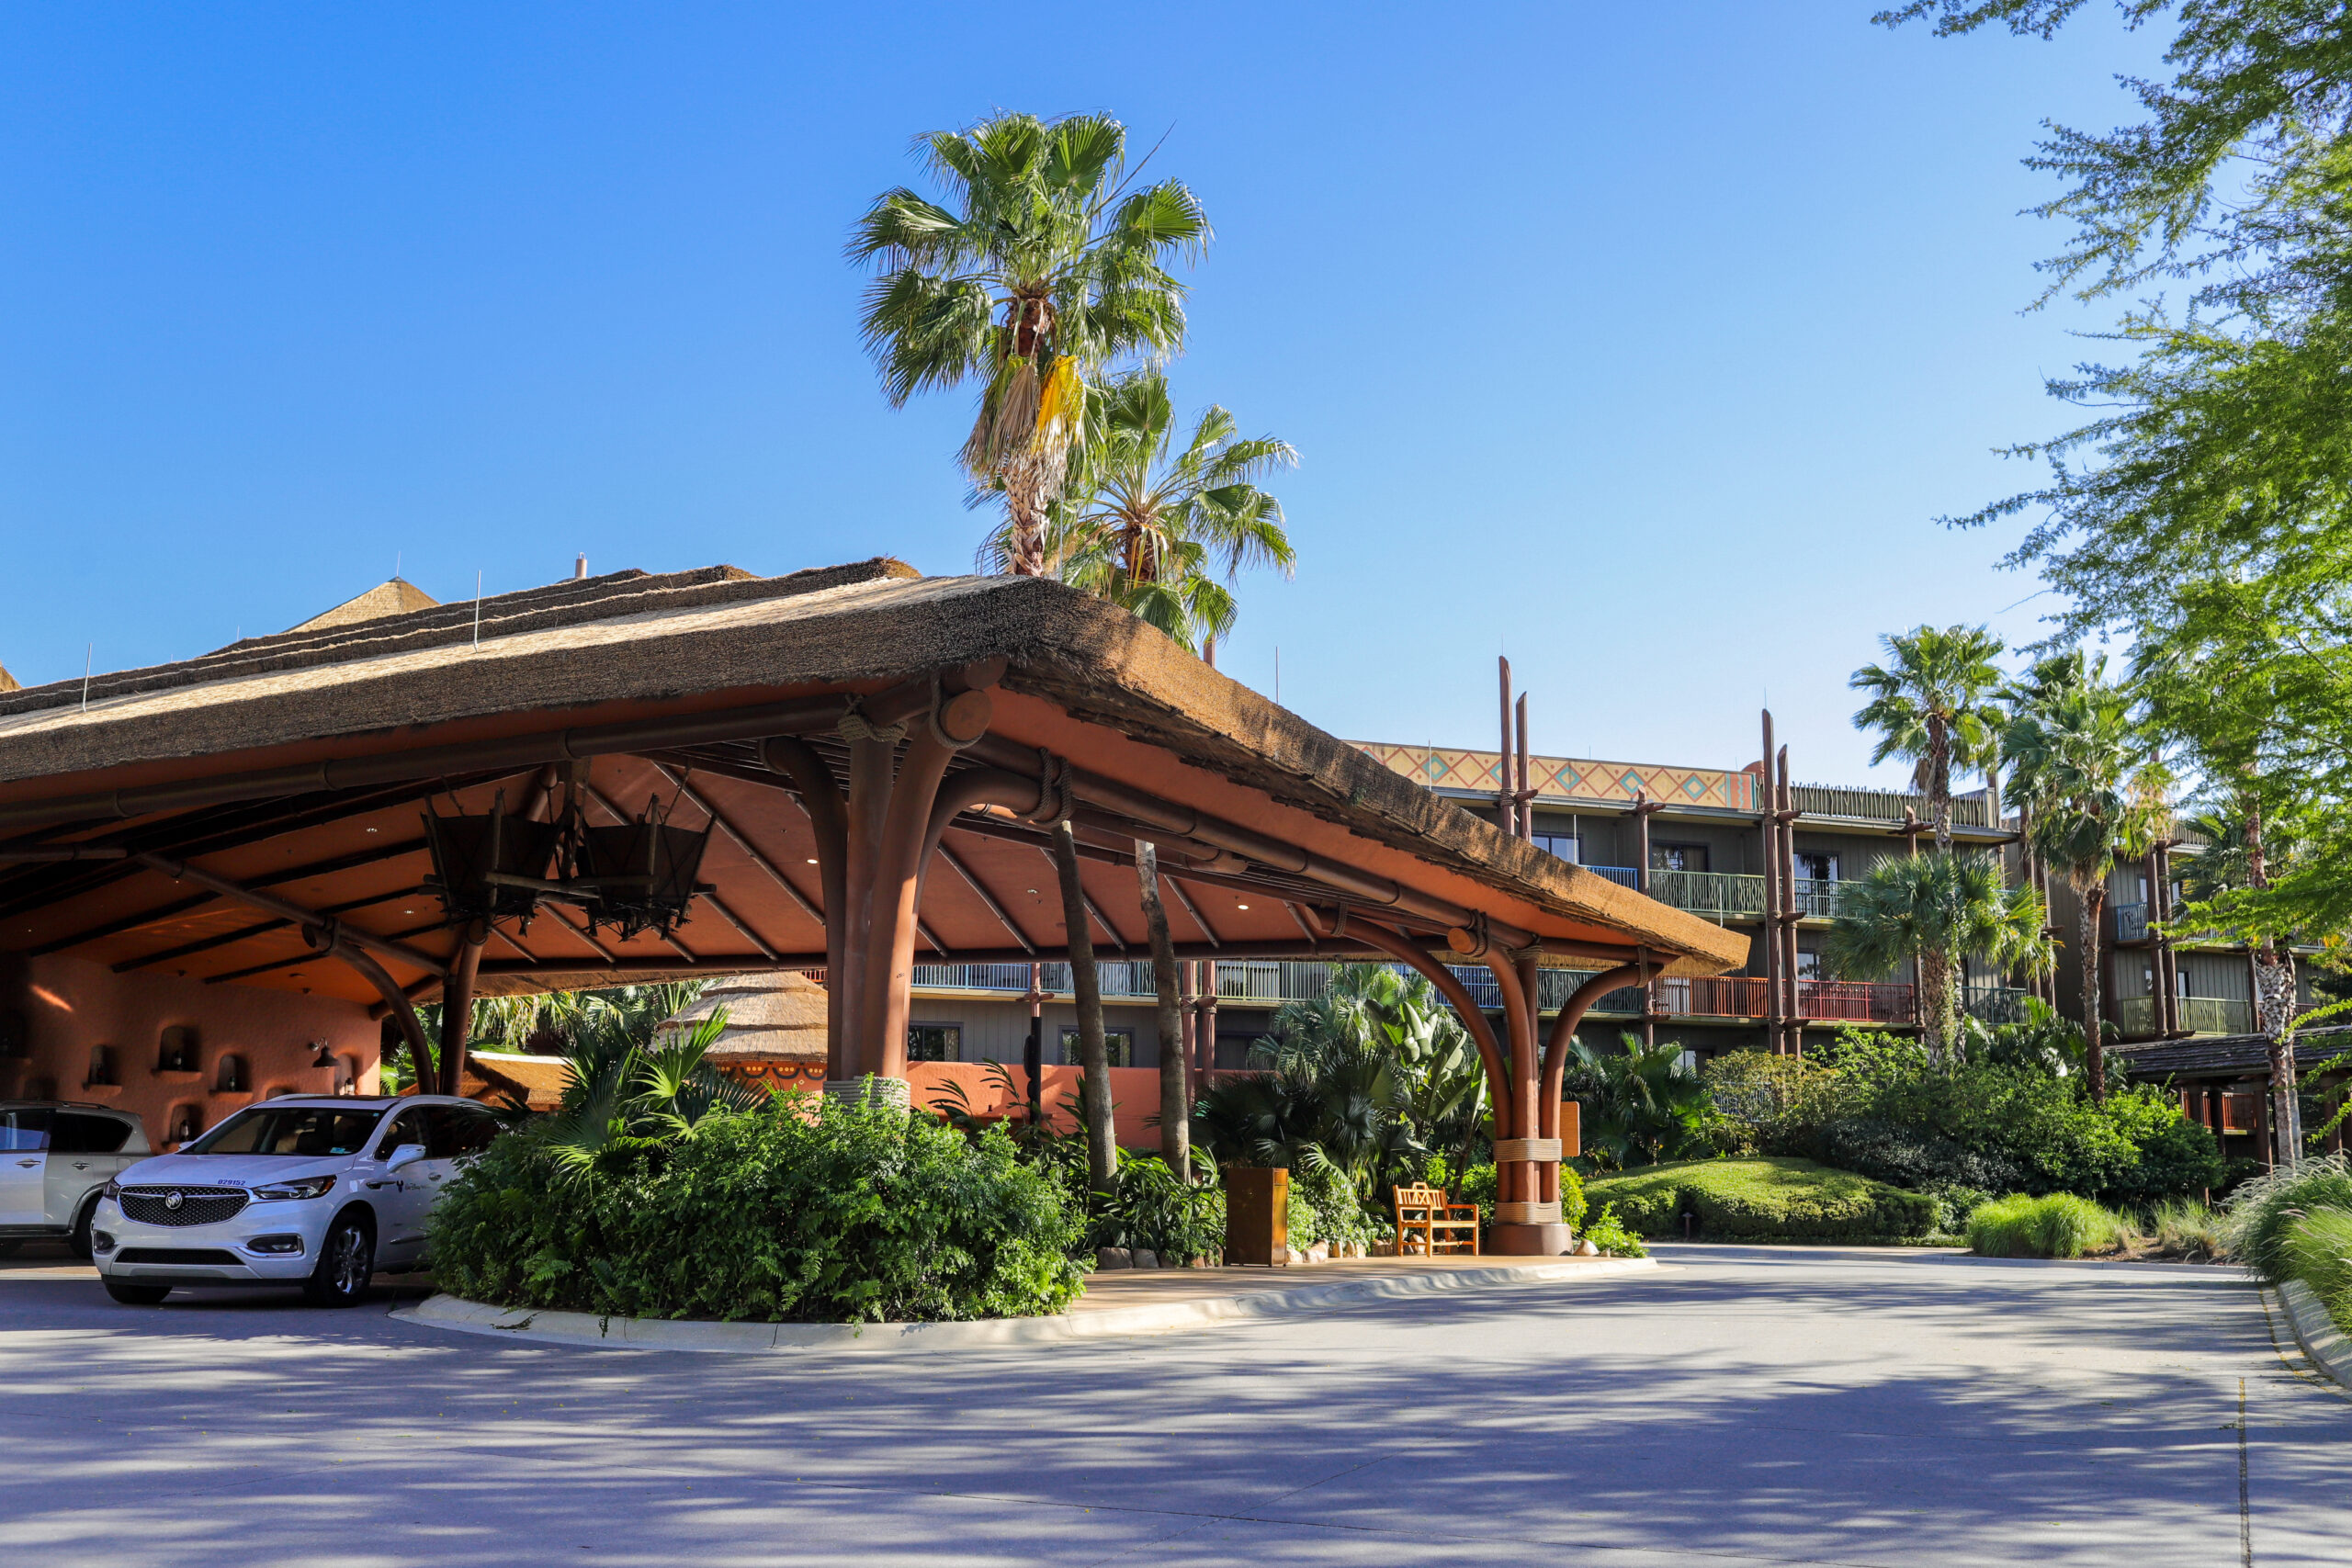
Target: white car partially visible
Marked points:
317	1192
55	1158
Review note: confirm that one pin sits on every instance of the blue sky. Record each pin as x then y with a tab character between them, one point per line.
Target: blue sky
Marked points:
1640	344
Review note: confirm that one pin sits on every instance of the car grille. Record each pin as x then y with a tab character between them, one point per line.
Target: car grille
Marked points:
196	1205
175	1254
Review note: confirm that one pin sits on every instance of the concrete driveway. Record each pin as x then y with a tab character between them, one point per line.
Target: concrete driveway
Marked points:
1742	1406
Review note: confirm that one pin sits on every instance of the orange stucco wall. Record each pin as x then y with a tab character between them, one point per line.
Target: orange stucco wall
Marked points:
1135	1094
70	1007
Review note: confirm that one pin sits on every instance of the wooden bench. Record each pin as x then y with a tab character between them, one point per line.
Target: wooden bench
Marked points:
1423	1211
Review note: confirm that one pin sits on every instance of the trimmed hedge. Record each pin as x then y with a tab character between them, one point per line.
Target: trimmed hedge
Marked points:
1763	1200
798	1211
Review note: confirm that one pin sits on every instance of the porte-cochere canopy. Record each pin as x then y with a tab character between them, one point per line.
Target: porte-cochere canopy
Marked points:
880	758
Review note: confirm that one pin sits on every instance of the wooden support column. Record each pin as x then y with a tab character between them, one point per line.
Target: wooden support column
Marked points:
1524	795
1784	813
822	798
458	1006
396	1001
1506	811
1771	852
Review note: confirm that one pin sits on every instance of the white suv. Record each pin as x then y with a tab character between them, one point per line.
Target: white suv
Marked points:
317	1191
55	1158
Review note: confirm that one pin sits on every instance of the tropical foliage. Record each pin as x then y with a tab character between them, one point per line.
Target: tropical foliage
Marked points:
1639	1104
1368	1080
2079	760
1043	264
1934	911
799	1211
1931	705
1164	529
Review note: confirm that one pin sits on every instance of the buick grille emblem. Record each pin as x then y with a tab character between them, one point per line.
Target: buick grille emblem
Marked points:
170	1200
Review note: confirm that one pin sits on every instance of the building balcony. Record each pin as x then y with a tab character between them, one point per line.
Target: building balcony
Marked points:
1994	1004
1622	875
1739	896
2198	1015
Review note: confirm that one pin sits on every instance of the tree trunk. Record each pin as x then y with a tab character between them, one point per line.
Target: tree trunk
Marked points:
1175	1096
2092	903
1028	542
2274	1011
1094	1058
1938	1019
1940	782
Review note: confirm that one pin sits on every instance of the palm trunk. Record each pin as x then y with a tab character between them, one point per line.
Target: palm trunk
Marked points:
1936	1015
1028	519
1175	1096
1095	1057
2092	904
1940	783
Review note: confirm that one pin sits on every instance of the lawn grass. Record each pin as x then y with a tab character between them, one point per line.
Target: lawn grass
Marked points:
1763	1200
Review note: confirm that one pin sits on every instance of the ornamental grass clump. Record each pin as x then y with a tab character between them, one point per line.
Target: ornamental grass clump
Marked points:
2319	1253
2059	1225
2263	1212
798	1211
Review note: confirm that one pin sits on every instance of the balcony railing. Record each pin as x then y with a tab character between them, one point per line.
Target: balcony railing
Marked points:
1717	996
1718	894
1881	804
1622	875
1994	1004
1818	898
2198	1015
1855	1001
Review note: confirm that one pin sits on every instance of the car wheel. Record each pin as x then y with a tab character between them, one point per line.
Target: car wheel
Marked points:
80	1240
346	1262
137	1295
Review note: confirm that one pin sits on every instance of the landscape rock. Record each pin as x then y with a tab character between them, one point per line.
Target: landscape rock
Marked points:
1112	1257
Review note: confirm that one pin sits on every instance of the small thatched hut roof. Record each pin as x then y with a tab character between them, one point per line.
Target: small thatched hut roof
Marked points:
778	1016
395	596
9	682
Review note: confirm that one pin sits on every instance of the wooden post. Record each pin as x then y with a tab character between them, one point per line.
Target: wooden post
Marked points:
1523	815
1102	1143
458	1008
1642	809
1771	941
1506	812
1785	814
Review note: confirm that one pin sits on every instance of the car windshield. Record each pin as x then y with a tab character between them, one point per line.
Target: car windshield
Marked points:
311	1130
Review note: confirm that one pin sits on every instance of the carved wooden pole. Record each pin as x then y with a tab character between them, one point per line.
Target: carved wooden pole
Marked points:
458	1007
1506	813
1770	944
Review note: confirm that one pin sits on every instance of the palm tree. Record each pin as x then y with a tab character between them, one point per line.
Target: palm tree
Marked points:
1042	269
1930	704
1642	1104
1933	911
1147	523
2078	758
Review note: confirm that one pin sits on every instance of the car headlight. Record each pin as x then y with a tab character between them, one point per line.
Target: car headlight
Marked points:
113	1191
301	1187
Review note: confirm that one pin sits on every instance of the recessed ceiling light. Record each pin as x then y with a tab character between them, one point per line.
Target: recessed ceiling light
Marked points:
371	829
812	859
1241	906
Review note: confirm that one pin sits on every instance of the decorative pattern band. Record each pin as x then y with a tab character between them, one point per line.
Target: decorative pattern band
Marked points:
1514	1151
1527	1213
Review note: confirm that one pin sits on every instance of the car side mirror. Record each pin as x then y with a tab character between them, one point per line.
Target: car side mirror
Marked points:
406	1155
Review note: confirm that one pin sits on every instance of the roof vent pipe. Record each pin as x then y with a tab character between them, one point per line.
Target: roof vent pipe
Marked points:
580	569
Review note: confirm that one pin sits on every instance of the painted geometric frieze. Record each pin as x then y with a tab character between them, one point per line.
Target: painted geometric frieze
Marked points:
1570	779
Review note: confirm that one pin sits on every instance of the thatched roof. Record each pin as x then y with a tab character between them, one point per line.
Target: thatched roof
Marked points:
1083	679
778	1016
9	682
395	596
537	1081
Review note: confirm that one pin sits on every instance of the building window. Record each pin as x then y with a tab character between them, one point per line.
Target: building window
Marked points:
1567	846
936	1043
1677	857
1808	966
101	1067
176	1054
1118	1044
1817	868
230	1078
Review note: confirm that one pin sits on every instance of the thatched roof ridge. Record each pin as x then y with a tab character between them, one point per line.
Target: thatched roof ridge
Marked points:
774	1015
1084	655
570	601
9	682
394	596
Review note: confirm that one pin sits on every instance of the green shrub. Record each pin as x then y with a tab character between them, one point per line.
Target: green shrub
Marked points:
1148	1207
2056	1224
2319	1253
1876	1104
1325	1206
1608	1234
2263	1210
795	1212
1764	1199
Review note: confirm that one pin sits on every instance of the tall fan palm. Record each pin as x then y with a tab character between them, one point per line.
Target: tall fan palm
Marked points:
2077	756
1041	269
1933	911
1931	703
1152	525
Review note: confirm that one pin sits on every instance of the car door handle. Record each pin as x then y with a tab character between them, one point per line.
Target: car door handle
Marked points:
28	1164
80	1164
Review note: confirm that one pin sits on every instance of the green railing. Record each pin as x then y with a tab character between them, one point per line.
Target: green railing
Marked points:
1718	894
2198	1015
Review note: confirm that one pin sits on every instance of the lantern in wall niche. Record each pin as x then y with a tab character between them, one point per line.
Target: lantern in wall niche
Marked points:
492	866
640	875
